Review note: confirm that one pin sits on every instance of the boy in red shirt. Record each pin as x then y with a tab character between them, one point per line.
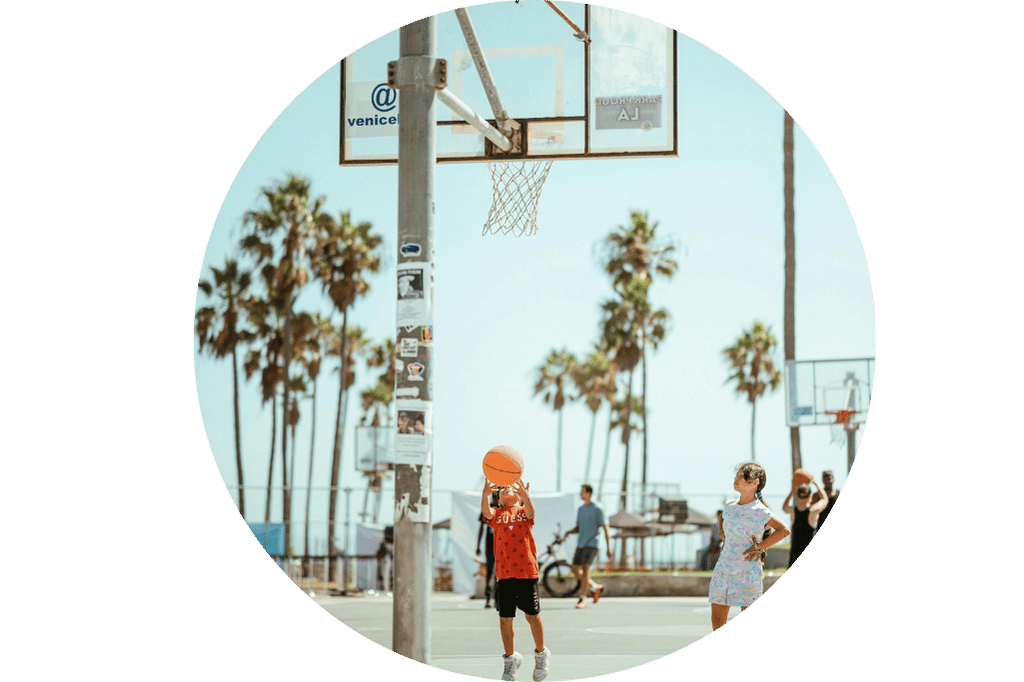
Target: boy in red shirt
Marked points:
515	567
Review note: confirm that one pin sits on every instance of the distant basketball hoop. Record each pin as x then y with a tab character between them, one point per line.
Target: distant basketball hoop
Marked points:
835	393
842	424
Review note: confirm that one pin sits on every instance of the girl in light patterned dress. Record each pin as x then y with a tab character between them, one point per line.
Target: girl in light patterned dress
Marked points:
738	576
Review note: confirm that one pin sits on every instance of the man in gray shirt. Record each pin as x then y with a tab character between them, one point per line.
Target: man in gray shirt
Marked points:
589	519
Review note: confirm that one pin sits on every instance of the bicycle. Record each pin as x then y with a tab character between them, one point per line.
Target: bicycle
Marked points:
558	578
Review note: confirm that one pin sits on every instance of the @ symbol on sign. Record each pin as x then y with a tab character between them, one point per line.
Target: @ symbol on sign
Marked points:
383	98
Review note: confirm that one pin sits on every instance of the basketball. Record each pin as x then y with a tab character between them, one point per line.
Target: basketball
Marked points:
503	465
801	477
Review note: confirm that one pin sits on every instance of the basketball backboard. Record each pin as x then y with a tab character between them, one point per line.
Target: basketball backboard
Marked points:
817	389
375	448
610	93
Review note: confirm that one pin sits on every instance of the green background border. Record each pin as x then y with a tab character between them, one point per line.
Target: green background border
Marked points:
125	127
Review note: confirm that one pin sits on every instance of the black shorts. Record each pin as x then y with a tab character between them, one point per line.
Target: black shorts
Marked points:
584	556
512	592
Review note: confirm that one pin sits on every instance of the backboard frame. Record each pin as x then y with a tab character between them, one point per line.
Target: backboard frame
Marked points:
530	123
832	384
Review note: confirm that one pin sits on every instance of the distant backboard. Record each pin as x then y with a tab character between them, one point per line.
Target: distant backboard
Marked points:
815	388
612	96
672	510
375	448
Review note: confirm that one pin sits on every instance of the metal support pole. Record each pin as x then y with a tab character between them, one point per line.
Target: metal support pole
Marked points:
851	444
413	582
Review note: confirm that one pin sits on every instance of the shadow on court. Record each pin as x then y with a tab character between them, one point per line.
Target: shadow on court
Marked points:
613	635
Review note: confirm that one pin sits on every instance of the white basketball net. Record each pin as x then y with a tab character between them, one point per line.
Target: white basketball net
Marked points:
840	426
838	434
517	186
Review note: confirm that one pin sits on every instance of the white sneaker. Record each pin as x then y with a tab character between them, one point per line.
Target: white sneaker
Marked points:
540	669
512	664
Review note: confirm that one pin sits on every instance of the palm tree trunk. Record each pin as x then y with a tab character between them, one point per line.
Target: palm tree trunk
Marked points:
625	441
643	415
590	446
273	446
289	488
558	459
336	460
238	435
309	479
789	317
286	501
753	416
625	465
607	453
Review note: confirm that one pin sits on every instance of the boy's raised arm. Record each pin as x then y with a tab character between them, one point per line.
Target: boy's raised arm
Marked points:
485	505
524	495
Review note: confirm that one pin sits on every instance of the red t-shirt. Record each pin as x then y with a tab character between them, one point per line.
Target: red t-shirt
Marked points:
515	554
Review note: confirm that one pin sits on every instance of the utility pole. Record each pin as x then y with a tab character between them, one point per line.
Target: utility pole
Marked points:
789	304
417	76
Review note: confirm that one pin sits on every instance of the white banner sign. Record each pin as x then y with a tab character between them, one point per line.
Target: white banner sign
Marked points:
555	513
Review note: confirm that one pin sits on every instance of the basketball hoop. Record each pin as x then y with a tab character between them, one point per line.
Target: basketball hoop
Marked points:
841	424
517	186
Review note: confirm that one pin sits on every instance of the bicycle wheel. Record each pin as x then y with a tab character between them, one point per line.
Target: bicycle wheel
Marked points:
559	579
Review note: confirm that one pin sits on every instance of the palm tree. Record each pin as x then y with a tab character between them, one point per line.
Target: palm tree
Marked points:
376	403
620	333
653	328
551	379
595	381
304	350
788	317
344	252
353	343
265	359
230	285
377	400
280	238
635	252
321	338
623	419
753	369
634	257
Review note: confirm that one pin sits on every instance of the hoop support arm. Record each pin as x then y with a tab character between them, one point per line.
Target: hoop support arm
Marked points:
482	69
474	119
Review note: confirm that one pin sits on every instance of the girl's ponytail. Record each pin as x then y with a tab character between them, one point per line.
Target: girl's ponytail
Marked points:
752	470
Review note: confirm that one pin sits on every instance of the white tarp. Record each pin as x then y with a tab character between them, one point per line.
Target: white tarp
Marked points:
555	513
368	539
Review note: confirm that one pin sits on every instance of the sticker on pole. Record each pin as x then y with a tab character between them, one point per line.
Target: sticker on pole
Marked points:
412	300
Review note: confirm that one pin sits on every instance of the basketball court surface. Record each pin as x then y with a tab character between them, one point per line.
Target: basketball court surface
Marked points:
616	634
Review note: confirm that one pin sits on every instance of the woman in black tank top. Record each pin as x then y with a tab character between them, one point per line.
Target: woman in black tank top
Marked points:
801	534
802	531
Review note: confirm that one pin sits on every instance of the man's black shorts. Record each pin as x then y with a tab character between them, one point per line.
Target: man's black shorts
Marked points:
513	592
584	556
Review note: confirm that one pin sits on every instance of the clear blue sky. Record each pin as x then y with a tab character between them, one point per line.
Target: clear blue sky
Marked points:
501	303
